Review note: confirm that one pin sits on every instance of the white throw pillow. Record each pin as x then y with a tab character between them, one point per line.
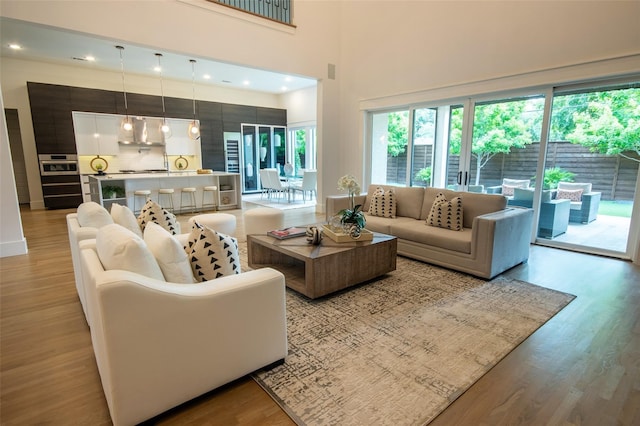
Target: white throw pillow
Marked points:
169	253
119	248
153	212
212	254
93	214
122	215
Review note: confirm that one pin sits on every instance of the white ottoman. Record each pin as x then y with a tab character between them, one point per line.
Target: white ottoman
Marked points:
262	219
221	222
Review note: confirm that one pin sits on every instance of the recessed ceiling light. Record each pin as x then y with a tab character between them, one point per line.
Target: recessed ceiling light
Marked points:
283	88
14	46
246	82
157	69
90	58
287	78
206	76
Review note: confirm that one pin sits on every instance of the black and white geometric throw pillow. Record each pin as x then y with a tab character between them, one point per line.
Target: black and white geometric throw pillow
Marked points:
446	214
153	212
211	254
383	203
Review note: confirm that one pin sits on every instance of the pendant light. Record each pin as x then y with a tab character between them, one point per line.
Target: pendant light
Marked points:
126	122
164	127
194	130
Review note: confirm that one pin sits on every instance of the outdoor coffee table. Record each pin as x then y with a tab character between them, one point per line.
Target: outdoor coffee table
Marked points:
316	271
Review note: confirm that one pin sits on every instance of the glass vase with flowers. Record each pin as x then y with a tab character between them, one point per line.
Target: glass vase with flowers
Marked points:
352	219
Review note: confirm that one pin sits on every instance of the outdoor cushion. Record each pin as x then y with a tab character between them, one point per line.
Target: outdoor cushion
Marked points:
519	183
569	194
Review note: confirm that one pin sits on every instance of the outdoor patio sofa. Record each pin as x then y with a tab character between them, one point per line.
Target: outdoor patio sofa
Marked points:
494	237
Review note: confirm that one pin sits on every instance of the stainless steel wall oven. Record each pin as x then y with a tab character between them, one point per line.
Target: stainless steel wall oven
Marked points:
60	178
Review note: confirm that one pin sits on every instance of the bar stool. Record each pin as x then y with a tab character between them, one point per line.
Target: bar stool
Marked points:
212	190
166	192
146	193
191	193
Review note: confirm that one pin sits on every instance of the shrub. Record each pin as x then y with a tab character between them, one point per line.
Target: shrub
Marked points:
554	175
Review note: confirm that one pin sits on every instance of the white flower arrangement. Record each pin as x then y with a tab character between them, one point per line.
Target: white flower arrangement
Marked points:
348	182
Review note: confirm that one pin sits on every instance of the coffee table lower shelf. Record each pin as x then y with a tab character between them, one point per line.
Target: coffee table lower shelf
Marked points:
316	271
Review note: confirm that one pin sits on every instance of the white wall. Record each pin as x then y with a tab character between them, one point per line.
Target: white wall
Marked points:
301	106
12	241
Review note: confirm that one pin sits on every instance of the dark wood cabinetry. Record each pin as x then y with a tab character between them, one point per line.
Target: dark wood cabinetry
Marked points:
52	105
51	116
93	100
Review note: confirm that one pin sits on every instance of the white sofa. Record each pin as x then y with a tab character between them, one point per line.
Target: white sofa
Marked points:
158	344
494	237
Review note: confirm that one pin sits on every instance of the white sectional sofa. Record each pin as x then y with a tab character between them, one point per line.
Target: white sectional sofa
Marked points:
158	344
494	237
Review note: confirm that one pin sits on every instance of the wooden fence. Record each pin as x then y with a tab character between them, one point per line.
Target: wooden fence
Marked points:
613	175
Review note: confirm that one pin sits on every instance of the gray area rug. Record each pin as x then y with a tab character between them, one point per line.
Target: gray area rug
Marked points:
399	350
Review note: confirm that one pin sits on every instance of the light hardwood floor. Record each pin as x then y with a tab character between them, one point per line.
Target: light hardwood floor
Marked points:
580	368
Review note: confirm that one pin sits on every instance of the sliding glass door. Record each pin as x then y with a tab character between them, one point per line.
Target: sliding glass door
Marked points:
570	153
592	161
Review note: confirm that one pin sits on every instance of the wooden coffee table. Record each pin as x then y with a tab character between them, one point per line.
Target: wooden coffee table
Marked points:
316	271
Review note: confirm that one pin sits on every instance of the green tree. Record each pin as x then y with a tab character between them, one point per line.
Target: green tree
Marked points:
498	127
605	122
397	133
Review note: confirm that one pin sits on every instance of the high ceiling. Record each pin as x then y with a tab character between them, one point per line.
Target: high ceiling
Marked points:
58	46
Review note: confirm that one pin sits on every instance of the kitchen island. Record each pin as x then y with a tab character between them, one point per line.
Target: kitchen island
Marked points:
119	188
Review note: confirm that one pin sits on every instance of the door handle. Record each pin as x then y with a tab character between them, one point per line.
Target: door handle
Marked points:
459	178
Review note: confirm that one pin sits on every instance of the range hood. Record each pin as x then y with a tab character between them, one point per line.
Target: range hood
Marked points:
146	131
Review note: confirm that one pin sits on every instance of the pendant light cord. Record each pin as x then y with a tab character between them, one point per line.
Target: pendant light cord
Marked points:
193	86
164	115
124	91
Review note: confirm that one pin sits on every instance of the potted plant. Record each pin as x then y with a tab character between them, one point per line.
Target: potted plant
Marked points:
352	219
111	191
554	175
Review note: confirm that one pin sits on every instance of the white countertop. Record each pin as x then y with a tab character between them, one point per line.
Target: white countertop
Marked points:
157	175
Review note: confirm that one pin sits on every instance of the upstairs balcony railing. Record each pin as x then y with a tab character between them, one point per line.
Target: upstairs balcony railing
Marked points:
275	10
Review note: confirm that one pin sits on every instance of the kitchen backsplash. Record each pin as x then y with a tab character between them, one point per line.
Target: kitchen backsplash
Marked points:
141	158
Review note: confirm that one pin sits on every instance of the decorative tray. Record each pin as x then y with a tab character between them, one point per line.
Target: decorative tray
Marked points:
341	237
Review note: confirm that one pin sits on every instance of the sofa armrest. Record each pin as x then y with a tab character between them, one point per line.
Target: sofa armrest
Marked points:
502	238
335	203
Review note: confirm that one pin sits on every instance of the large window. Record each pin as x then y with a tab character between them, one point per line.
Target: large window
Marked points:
403	147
